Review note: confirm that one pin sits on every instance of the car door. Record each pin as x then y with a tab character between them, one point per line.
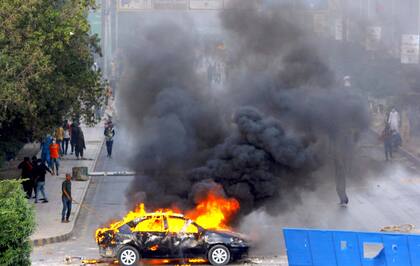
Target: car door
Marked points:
185	238
152	237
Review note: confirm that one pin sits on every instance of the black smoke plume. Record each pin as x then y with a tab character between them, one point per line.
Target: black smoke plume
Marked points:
260	137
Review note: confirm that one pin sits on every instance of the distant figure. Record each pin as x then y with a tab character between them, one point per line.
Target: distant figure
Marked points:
26	167
66	140
73	135
387	139
109	133
59	137
80	143
45	150
55	156
40	171
343	148
33	176
394	120
66	198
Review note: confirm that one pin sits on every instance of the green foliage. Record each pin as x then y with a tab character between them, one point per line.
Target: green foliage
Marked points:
46	59
17	224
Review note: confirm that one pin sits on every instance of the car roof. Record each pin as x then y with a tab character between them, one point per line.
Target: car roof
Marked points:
178	215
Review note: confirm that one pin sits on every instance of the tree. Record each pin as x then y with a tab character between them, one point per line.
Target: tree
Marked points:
46	73
17	222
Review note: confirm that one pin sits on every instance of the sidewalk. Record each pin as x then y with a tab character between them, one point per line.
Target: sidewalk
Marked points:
48	215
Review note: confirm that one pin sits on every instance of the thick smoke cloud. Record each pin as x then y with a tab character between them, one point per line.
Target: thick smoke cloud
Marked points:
258	162
259	138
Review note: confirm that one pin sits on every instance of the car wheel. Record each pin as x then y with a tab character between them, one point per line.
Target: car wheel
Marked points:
219	255
128	256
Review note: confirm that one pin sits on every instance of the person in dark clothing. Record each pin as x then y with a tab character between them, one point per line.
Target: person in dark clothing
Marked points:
80	143
26	167
109	133
33	176
73	136
66	198
387	139
40	171
66	140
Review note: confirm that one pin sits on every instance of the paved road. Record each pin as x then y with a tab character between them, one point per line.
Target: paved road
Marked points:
381	193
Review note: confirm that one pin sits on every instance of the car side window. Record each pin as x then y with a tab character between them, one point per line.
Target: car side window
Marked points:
150	224
181	225
191	227
175	224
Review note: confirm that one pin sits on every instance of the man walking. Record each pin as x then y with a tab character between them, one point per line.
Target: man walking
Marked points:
66	198
45	150
387	139
80	143
73	135
55	156
26	168
109	137
40	171
33	176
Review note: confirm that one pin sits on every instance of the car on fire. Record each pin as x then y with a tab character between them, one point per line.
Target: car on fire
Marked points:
168	236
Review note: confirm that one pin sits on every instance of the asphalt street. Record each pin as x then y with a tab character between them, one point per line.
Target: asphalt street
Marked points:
381	193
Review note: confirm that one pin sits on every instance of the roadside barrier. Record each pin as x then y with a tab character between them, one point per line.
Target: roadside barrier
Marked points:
306	247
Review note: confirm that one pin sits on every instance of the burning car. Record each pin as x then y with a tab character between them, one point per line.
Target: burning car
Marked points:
168	235
203	234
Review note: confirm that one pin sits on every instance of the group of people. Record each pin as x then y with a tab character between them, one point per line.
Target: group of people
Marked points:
34	174
391	134
52	149
56	146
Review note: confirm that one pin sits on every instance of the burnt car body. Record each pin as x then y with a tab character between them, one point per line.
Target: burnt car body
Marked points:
169	236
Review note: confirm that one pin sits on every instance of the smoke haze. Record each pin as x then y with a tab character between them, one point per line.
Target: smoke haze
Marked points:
261	137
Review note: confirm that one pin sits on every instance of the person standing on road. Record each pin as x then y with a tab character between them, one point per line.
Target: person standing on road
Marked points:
66	198
80	143
26	168
73	135
387	139
394	120
40	171
66	140
59	137
55	156
109	133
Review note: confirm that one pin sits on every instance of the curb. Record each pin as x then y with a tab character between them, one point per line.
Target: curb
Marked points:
67	236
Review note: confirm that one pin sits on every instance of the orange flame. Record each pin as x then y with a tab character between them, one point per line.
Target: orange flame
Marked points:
212	212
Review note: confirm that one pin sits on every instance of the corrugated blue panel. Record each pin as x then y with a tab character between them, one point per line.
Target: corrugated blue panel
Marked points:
370	251
347	249
298	251
414	247
322	248
396	250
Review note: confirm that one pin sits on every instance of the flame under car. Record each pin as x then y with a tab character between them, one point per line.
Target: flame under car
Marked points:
168	235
